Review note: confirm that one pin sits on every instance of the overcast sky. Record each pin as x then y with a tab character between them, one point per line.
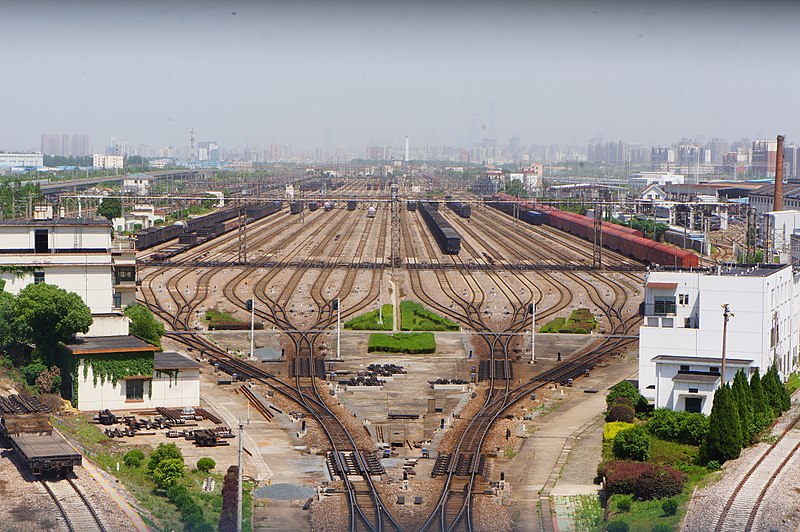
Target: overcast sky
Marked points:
370	72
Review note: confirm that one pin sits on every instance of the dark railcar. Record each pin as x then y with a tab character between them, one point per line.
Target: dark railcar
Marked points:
296	207
411	205
351	205
448	238
461	209
313	206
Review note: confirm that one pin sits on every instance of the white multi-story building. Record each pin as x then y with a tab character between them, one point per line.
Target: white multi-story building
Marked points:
74	254
29	160
137	184
680	340
107	161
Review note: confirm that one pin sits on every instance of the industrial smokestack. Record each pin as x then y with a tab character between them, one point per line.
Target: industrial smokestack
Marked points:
778	201
407	158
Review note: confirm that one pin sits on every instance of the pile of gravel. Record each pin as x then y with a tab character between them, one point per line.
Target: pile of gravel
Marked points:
284	492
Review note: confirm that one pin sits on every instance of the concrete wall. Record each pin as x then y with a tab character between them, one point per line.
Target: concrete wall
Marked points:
92	282
59	237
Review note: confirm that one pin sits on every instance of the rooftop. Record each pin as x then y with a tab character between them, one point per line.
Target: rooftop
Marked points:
173	360
695	377
98	345
701	360
56	221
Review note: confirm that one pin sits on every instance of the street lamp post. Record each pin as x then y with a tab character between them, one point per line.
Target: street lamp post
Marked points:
726	315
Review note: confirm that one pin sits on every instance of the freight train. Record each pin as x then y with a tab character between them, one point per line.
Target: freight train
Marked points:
200	229
461	209
619	238
448	239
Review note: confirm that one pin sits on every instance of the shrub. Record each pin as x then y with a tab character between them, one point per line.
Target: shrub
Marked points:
681	427
413	343
661	527
621	412
617	526
670	507
632	444
168	472
613	428
415	317
672	453
133	458
31	372
227	517
621	400
191	514
624	504
164	451
712	465
206	464
643	480
628	390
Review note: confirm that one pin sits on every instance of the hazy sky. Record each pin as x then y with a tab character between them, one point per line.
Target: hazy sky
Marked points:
370	72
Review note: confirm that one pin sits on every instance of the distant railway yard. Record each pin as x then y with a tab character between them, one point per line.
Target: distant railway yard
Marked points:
294	309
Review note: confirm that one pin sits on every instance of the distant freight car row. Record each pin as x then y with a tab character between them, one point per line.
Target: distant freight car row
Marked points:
202	228
448	239
461	209
624	240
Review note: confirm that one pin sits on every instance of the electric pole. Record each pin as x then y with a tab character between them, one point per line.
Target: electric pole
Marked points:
726	315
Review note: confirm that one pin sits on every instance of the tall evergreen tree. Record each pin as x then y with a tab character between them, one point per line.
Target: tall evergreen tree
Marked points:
724	441
771	383
744	403
762	413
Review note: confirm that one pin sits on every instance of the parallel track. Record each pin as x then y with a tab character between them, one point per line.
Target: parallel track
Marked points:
78	513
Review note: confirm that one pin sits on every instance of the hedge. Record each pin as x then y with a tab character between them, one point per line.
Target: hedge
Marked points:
370	320
643	480
611	429
415	317
681	427
621	412
413	343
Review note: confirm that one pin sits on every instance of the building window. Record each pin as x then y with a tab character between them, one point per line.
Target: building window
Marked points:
684	368
714	370
38	277
117	300
41	244
693	404
134	389
692	390
125	274
663	305
683	299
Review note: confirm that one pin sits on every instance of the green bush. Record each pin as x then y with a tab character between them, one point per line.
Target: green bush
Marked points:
624	504
681	427
632	444
206	464
621	412
414	343
133	458
713	465
415	317
31	372
670	507
661	527
191	514
617	526
628	390
168	472
164	451
371	320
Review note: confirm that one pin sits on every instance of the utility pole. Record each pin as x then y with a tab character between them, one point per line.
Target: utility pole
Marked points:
242	236
239	487
252	304
533	331
597	249
726	315
395	209
337	306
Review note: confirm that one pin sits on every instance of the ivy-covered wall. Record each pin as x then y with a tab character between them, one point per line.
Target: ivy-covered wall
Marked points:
115	367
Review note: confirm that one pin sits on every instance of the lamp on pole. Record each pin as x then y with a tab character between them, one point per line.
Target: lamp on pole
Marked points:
726	315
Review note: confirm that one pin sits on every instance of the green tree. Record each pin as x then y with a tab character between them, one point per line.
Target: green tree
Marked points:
47	315
724	440
133	458
168	472
110	208
206	464
632	444
8	312
516	188
744	405
762	413
775	391
164	451
144	324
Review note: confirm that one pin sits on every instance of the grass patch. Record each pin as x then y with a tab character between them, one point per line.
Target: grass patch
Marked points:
107	453
793	382
580	321
370	320
415	317
677	455
213	315
218	320
413	343
644	515
588	512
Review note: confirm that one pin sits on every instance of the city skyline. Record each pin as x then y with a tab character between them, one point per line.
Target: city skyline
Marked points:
360	74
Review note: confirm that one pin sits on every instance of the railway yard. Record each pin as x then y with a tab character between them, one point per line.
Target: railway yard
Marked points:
428	444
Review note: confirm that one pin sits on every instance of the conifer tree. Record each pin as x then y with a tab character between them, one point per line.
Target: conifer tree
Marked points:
724	441
744	403
771	383
762	413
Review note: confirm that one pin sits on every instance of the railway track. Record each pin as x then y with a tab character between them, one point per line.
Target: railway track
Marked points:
742	507
74	507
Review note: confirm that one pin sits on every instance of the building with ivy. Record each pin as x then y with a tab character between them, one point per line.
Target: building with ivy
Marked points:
127	373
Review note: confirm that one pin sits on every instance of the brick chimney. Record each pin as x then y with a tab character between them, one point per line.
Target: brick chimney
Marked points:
778	200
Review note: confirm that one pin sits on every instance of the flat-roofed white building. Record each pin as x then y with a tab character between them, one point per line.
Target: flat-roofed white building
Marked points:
107	161
680	340
28	160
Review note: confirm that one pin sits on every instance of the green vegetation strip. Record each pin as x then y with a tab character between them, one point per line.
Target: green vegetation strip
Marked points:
413	343
415	317
371	320
580	321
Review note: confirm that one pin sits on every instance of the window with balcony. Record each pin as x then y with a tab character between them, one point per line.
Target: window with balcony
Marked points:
663	305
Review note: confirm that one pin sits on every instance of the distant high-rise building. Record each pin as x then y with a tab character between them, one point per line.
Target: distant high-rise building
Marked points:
762	158
75	145
718	148
791	161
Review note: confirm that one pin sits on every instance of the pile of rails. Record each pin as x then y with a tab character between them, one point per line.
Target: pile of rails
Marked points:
200	229
25	423
619	238
448	239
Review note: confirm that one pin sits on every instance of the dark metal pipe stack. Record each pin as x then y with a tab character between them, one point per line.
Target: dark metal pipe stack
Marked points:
778	201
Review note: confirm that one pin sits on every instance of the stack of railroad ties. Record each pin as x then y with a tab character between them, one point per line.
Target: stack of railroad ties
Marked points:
171	420
619	238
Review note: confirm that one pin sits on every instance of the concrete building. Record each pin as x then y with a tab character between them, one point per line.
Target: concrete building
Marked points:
29	160
680	340
174	380
762	199
137	184
107	161
762	158
74	254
